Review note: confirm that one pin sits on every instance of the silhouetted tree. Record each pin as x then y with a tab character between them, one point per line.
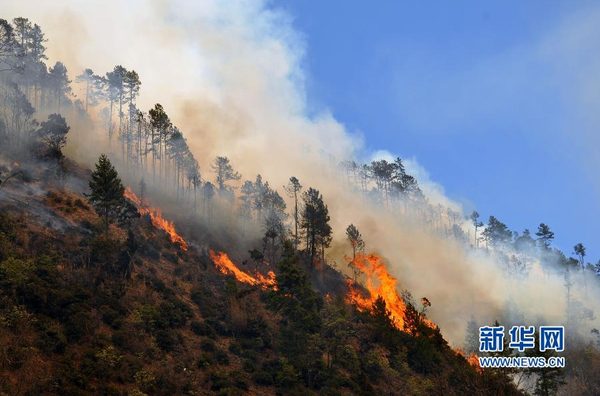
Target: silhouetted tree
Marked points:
222	167
545	236
59	83
497	232
8	56
315	224
160	122
579	250
53	134
474	217
88	78
293	189
358	245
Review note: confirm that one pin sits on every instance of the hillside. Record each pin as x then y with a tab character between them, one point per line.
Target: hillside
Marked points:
128	312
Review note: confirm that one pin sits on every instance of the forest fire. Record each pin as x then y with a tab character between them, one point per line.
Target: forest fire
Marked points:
157	220
472	358
379	283
226	266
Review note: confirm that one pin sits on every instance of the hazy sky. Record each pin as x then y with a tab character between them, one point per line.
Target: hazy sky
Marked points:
500	103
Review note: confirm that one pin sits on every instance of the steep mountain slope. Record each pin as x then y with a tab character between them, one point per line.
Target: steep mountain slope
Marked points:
126	311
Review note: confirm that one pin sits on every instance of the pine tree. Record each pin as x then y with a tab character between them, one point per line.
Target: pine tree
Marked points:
545	236
497	232
88	78
315	224
474	217
8	45
292	189
358	245
59	82
579	250
107	192
222	167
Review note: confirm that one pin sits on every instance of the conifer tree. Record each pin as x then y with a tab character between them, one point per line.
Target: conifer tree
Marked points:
222	167
579	250
293	189
315	224
545	236
358	245
107	192
474	217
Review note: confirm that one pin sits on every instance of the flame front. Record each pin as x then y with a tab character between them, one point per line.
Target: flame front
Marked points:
157	220
379	283
227	267
472	358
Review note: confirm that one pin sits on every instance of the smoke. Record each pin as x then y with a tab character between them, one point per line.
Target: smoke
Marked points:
230	75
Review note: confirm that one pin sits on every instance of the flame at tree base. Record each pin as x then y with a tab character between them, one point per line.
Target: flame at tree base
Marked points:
379	283
156	216
227	267
471	357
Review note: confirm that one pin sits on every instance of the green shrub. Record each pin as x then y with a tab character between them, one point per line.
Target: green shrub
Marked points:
373	364
249	366
51	341
167	339
262	377
219	380
175	312
286	377
81	205
348	359
203	329
221	357
238	379
170	257
235	348
208	345
205	361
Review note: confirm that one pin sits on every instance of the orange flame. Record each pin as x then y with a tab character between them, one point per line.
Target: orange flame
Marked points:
226	266
472	358
379	283
157	220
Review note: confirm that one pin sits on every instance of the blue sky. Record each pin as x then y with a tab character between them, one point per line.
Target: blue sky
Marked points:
498	102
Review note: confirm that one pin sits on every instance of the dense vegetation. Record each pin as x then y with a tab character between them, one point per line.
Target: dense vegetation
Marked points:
91	310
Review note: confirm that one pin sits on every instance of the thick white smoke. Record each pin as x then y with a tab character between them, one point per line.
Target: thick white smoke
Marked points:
229	74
